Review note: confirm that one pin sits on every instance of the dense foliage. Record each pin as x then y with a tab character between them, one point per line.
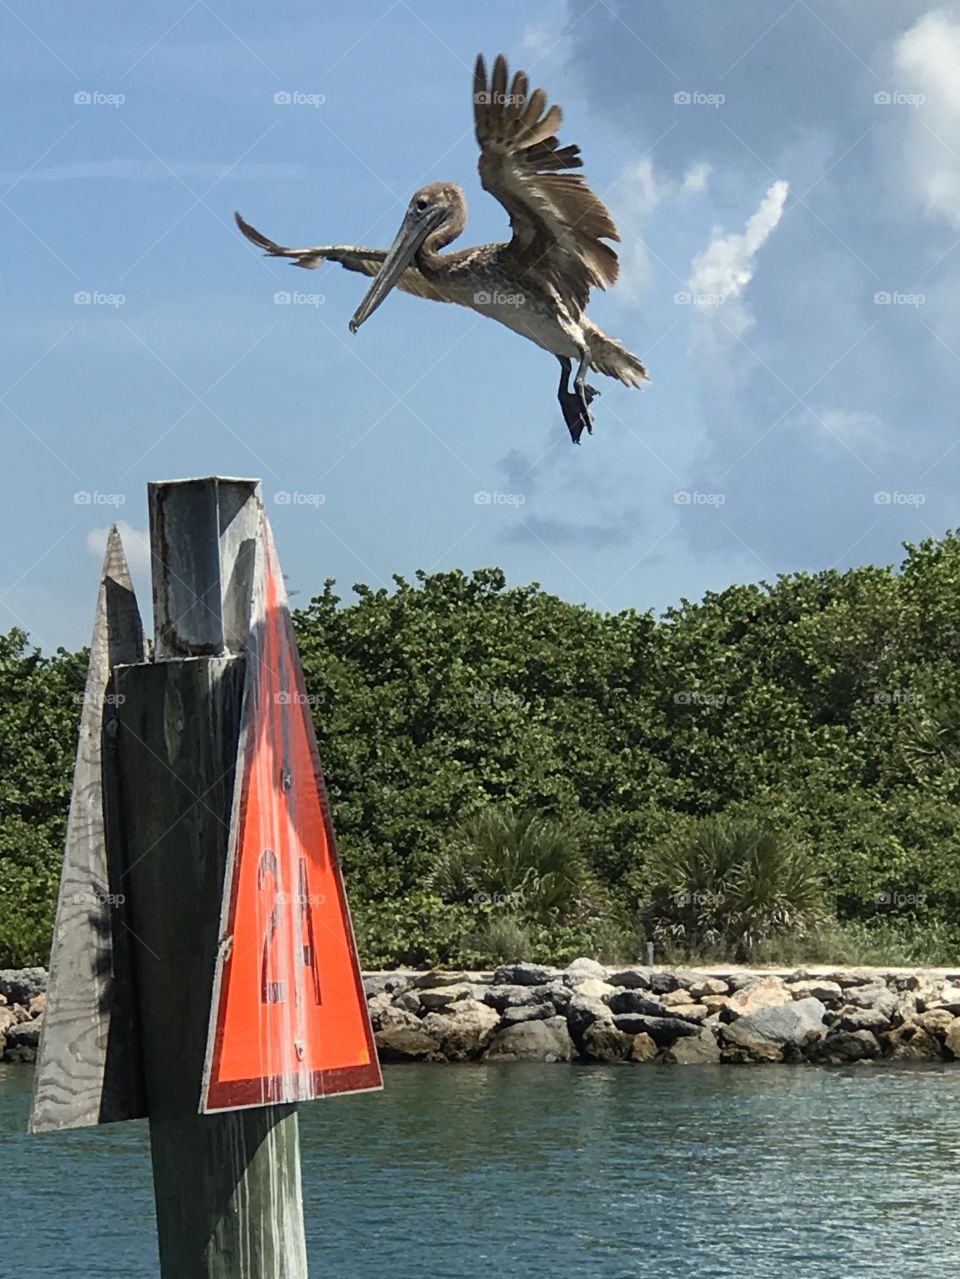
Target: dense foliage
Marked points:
824	706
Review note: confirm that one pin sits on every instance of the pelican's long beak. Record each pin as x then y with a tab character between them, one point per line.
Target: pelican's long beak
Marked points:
413	231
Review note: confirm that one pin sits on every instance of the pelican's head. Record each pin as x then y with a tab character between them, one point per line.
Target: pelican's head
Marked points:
436	213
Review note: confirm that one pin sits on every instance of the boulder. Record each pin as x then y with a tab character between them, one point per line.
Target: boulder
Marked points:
631	978
37	1005
603	1042
463	1031
401	1037
409	1001
757	994
644	1049
858	977
950	998
582	1013
840	1046
662	1030
8	1018
593	989
700	1049
951	1041
662	980
384	983
435	998
378	1005
876	997
523	975
557	994
673	997
435	978
526	1012
20	985
707	986
502	996
715	1003
22	1041
795	1024
911	1042
937	1021
636	1001
584	970
547	1040
852	1019
828	992
689	1012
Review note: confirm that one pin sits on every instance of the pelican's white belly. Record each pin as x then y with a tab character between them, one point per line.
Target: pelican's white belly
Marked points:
550	328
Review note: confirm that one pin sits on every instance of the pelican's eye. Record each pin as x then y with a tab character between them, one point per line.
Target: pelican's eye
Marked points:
422	204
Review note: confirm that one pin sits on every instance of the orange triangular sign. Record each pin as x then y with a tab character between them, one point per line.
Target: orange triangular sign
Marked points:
288	1019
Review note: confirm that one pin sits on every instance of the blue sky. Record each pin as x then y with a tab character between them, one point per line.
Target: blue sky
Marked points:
786	179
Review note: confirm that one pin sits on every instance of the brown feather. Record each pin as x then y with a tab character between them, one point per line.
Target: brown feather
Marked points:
559	225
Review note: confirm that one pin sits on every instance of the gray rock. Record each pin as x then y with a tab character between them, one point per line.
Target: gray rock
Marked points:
603	1042
876	997
409	1001
857	977
522	975
558	994
435	978
547	1040
662	1030
527	1012
828	992
401	1037
584	970
503	997
434	999
22	1041
631	978
708	986
462	1032
20	985
845	1045
795	1024
635	1001
582	1013
385	983
852	1018
911	1042
661	981
694	1050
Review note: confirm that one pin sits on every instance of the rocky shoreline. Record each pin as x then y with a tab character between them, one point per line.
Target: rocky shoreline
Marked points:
590	1013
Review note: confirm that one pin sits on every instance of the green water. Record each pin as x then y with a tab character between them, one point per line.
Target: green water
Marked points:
529	1171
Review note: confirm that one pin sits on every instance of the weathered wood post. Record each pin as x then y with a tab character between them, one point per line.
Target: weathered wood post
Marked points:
240	997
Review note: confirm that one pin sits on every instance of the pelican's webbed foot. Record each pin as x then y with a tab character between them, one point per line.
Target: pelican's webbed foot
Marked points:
575	405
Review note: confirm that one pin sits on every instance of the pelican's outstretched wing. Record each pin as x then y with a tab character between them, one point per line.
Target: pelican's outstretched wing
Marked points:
354	257
559	225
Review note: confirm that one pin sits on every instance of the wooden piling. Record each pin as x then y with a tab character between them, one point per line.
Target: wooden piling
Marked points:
227	1186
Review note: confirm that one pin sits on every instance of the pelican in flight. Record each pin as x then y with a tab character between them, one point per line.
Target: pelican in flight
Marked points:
537	283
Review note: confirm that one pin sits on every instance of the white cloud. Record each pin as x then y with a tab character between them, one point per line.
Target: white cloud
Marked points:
926	62
719	275
640	191
136	545
852	427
